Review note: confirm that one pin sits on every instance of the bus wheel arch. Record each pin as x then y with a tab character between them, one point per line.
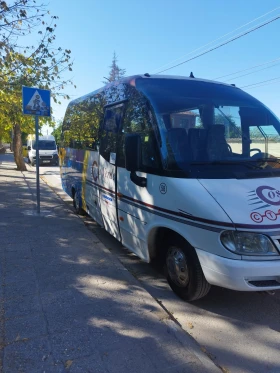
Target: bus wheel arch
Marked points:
182	268
157	240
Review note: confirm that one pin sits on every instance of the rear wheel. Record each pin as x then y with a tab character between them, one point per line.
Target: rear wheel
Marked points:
184	273
77	204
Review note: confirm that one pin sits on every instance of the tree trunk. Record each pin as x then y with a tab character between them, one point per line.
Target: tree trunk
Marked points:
12	141
17	145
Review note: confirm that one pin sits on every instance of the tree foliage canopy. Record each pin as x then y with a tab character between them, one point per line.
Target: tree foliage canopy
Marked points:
41	65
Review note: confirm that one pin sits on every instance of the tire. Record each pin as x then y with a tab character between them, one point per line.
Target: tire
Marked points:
184	273
76	204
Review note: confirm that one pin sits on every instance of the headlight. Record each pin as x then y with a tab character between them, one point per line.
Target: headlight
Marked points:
55	155
245	243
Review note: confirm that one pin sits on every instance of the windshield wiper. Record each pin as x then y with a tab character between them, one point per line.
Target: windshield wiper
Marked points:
249	164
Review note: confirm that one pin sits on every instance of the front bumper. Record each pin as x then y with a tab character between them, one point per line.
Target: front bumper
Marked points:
46	161
242	275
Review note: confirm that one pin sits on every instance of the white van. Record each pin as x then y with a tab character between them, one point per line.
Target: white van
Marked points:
184	171
47	150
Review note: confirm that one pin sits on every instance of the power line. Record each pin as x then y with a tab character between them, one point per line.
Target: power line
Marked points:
252	72
221	45
249	68
262	85
221	37
264	81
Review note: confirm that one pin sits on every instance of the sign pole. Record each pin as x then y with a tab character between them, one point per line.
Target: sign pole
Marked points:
37	102
37	162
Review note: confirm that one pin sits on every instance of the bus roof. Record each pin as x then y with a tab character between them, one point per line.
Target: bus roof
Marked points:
131	81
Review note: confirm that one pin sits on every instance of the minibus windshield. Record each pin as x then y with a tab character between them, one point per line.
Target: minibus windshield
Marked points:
203	124
44	145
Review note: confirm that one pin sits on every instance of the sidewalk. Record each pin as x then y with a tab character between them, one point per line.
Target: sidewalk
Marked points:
67	304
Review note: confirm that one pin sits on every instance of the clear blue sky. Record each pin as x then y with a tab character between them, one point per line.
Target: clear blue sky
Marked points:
148	34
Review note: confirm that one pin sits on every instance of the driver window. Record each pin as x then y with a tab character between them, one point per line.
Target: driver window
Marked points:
257	140
264	139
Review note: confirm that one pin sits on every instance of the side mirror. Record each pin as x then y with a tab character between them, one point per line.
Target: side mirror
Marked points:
133	157
29	148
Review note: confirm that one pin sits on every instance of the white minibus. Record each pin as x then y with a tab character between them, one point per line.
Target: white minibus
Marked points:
182	171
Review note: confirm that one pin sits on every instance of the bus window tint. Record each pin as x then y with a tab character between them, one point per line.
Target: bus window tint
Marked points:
138	119
108	137
205	123
81	124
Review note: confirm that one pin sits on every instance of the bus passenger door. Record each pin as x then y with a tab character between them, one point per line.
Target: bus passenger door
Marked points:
132	213
107	168
90	195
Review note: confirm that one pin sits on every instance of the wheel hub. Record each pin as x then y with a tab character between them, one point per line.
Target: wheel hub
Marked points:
177	267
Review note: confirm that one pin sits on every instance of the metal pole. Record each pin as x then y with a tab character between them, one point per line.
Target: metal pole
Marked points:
37	162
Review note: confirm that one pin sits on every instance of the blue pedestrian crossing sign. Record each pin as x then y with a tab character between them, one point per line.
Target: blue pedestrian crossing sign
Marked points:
36	101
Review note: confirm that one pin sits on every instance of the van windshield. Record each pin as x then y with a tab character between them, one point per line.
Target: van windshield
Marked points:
44	145
204	126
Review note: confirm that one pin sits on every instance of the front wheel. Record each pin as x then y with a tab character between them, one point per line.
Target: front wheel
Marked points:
184	273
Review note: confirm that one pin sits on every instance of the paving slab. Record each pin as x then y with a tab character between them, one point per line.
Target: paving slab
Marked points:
67	304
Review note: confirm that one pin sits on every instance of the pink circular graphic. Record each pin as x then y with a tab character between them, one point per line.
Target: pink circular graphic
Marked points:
256	217
268	195
270	215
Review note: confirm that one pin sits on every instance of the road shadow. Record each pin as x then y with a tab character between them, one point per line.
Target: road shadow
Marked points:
67	302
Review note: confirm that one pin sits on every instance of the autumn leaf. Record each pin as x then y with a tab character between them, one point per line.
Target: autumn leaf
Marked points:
68	364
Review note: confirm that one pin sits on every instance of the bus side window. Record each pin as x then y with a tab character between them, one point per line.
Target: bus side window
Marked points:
80	127
109	130
138	120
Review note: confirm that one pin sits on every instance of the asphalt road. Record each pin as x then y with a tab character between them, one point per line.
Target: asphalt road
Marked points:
240	331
